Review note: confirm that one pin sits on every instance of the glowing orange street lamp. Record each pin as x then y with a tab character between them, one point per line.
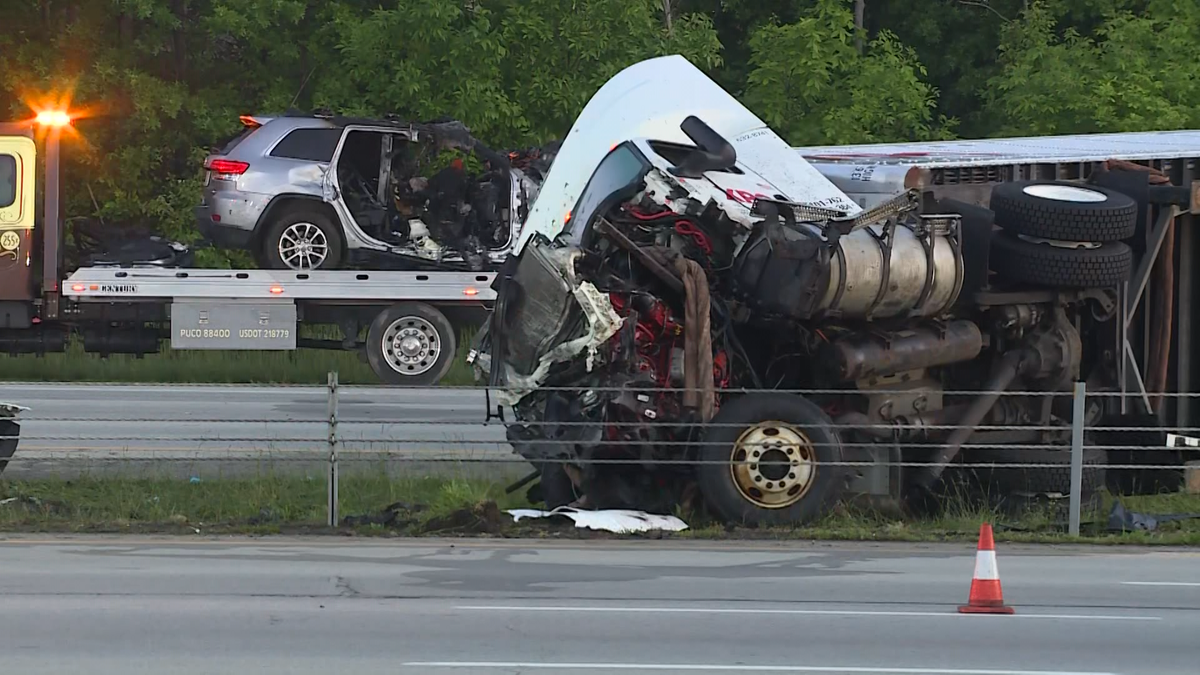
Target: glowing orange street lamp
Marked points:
53	118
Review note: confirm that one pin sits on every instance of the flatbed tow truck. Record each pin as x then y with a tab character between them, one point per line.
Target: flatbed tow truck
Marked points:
411	318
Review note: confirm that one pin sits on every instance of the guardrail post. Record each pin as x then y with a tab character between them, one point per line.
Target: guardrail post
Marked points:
1080	399
332	396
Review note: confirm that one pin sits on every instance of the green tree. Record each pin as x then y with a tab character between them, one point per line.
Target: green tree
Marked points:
1135	73
809	82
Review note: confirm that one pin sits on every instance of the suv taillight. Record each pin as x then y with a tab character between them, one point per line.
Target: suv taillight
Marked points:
227	167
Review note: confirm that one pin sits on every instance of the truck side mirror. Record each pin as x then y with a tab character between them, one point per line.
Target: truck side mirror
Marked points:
713	152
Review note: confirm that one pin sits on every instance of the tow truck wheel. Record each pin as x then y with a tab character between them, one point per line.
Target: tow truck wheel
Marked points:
766	461
411	343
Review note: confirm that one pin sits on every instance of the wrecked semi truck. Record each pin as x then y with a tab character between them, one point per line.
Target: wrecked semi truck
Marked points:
680	251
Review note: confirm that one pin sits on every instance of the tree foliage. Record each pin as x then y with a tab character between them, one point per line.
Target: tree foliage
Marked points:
161	81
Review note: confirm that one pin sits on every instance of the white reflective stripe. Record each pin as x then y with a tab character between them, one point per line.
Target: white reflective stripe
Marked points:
985	566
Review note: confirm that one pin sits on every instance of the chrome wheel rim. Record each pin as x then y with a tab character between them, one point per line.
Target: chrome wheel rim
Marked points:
303	246
411	346
1065	193
774	465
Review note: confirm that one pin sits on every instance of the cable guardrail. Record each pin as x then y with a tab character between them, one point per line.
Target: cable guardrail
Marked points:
473	435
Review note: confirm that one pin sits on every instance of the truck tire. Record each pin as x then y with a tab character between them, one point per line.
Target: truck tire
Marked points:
1044	479
1046	264
782	427
411	343
302	240
1064	211
1140	440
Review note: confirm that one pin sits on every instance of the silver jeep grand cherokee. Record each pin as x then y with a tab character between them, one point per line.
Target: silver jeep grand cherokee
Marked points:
311	192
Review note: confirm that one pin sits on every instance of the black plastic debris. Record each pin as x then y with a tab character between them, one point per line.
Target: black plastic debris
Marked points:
1121	519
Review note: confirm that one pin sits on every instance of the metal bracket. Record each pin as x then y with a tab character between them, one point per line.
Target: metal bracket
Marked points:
1142	276
1133	371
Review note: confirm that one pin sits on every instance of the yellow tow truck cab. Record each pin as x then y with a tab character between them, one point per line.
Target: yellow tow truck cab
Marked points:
18	183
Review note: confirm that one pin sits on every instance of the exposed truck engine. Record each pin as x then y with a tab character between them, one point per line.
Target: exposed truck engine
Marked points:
679	252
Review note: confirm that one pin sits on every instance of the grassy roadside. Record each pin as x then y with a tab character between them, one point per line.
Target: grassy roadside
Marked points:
375	504
302	366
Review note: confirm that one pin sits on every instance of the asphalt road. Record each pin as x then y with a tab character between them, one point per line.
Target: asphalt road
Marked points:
204	430
127	606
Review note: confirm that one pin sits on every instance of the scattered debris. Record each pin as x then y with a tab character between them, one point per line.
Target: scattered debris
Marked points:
394	515
483	518
1121	519
614	520
36	505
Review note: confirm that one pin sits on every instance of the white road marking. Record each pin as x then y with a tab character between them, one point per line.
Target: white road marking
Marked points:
691	667
813	612
1161	583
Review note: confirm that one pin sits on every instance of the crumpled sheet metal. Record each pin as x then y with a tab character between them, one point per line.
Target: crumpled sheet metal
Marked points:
612	520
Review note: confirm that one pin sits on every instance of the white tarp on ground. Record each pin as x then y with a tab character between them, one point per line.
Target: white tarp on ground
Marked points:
612	520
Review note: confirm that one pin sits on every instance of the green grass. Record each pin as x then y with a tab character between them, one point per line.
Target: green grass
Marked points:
302	366
422	506
960	521
264	504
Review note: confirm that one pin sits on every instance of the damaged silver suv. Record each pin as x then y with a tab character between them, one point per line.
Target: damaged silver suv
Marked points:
310	192
680	254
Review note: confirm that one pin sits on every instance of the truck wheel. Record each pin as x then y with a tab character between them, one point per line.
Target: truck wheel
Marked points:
302	240
795	441
1041	479
1058	265
1064	211
411	343
1140	440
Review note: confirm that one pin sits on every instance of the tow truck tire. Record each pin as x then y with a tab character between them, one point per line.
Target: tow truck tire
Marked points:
311	225
1065	211
411	343
1056	266
787	429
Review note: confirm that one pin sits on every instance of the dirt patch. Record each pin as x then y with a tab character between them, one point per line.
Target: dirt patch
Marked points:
482	518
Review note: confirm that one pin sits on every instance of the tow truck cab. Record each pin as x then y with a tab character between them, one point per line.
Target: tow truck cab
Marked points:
30	254
18	183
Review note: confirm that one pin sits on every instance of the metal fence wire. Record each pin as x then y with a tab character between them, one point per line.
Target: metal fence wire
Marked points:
328	428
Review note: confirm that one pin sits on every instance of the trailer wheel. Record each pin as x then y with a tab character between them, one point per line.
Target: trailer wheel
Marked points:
303	240
411	343
794	483
1065	211
1041	479
1061	264
1140	440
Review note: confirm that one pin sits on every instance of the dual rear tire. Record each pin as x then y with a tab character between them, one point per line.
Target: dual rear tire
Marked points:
1062	235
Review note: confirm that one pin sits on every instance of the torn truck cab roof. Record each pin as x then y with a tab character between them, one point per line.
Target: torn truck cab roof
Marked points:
648	101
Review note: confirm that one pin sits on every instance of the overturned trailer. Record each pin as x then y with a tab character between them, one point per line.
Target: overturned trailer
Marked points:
679	251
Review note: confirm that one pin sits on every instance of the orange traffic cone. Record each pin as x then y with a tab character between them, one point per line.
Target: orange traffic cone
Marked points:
986	596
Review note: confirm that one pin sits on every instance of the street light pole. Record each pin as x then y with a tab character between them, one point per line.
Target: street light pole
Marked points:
53	121
52	227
